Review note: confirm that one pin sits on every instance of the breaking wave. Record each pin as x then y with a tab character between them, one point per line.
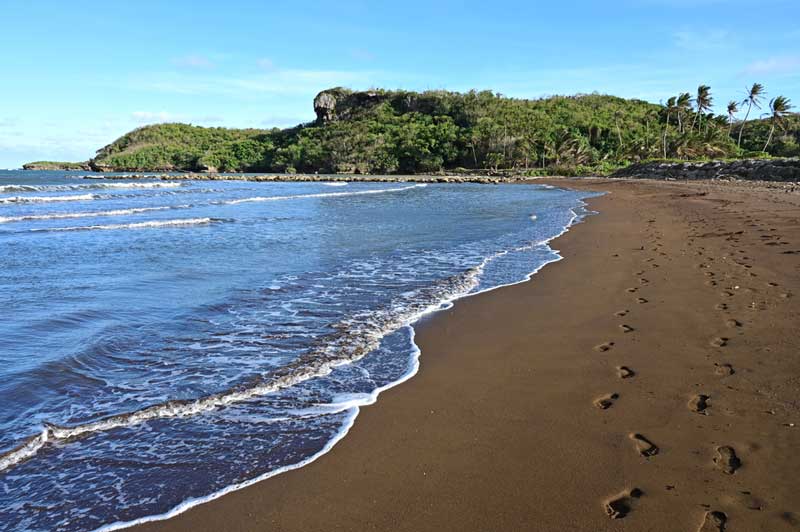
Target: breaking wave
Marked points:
321	195
139	225
89	214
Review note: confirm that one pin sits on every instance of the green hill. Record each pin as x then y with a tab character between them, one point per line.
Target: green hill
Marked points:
382	131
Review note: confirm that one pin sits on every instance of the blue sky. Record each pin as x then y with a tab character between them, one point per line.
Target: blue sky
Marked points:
78	74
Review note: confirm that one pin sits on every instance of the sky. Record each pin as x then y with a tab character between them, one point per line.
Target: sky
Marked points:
76	75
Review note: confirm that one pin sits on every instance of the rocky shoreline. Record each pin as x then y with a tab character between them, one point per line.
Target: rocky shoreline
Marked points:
323	178
745	169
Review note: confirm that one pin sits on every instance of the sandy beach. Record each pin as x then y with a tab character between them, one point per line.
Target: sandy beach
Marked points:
648	382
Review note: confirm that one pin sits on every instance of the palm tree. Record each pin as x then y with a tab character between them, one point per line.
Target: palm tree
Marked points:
753	99
779	107
703	103
682	105
733	108
670	107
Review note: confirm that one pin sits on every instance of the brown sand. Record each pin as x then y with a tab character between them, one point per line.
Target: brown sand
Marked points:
499	430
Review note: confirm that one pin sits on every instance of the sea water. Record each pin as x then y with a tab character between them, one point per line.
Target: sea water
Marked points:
164	342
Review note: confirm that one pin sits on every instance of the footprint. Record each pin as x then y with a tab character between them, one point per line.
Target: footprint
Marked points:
724	370
645	447
719	342
620	505
621	313
732	323
641	300
605	346
726	460
727	293
626	328
632	289
711	282
624	372
721	306
605	402
713	522
699	403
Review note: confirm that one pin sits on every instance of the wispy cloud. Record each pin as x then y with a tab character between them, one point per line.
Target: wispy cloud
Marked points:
193	61
276	82
362	55
706	40
775	65
265	63
149	117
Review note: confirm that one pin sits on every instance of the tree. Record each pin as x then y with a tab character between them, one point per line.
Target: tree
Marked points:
702	102
733	108
682	106
670	107
753	99
779	108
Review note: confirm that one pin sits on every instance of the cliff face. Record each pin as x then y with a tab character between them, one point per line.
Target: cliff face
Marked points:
749	169
342	104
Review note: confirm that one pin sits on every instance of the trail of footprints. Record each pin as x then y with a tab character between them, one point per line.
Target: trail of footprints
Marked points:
725	458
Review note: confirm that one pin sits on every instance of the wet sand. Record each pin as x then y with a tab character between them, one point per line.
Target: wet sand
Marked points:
648	382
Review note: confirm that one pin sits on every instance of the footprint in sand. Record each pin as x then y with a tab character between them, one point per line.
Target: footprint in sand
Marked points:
605	346
621	313
733	323
641	300
620	505
605	402
624	372
699	403
726	460
726	293
719	342
643	281
644	446
632	289
724	370
711	282
721	306
713	522
626	328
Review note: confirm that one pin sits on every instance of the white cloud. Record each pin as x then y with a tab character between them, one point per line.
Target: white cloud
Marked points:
276	82
774	65
362	54
148	117
265	63
706	40
194	61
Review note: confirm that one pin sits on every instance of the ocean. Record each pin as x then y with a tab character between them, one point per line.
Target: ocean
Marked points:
165	342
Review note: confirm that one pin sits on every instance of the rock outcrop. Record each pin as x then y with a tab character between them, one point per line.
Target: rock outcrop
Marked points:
746	169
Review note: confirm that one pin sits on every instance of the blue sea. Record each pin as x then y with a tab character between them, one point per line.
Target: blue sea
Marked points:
165	342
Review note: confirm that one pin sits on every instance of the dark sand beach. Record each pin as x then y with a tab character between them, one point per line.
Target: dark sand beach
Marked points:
654	374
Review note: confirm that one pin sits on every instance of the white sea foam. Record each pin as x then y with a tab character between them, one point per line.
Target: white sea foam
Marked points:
4	189
321	195
89	214
335	183
359	335
139	225
47	199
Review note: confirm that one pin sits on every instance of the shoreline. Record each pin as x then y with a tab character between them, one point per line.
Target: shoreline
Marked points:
404	467
579	214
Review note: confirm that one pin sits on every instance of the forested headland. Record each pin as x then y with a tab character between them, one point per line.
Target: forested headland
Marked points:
403	132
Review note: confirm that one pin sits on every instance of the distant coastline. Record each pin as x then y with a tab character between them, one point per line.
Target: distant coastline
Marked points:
56	165
380	132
